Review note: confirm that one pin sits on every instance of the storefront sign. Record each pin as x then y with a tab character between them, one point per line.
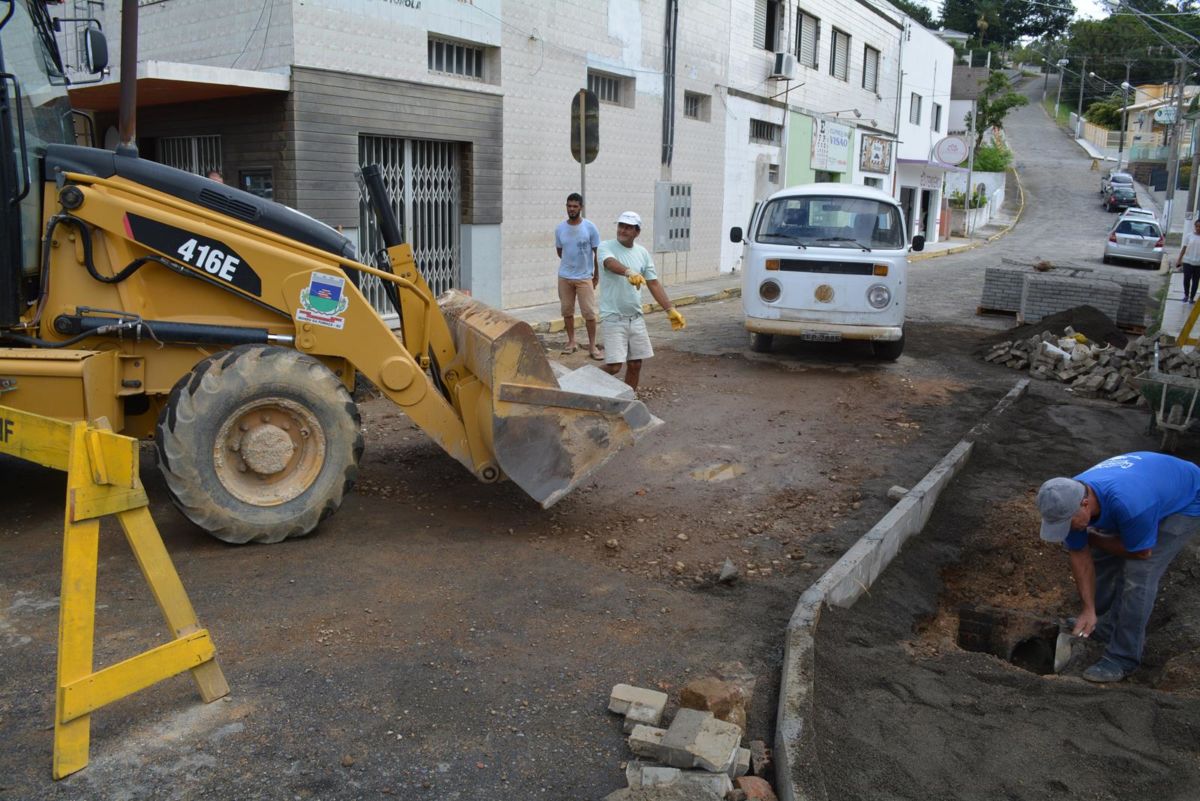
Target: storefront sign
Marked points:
875	154
951	150
930	180
830	146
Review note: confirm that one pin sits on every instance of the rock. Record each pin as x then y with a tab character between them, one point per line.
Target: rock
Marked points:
724	699
896	492
347	761
760	758
756	788
728	573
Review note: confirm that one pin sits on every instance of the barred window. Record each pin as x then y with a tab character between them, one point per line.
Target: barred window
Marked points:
455	58
613	89
765	133
914	109
839	55
198	154
870	69
808	39
696	106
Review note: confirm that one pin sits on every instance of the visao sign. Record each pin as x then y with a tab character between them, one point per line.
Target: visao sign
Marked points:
1165	115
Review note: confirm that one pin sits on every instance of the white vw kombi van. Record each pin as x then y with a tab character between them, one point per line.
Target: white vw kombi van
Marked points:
826	262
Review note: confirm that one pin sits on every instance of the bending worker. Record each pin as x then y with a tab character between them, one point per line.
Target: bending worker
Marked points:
1122	522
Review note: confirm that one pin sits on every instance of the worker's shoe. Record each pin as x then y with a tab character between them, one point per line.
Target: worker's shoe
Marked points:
1104	672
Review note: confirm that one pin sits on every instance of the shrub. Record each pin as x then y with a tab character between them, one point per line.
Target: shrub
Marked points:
992	158
957	198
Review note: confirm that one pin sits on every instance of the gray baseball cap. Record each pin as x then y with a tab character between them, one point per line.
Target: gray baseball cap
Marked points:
1058	500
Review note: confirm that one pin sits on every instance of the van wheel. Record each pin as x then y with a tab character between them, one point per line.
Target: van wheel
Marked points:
761	343
258	444
888	351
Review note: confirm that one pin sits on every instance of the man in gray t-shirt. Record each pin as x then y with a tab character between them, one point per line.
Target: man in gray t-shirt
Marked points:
575	241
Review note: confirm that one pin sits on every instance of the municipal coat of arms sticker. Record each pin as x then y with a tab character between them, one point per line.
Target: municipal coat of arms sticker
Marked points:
323	301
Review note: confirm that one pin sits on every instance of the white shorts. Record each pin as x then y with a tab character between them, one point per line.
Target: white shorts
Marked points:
625	339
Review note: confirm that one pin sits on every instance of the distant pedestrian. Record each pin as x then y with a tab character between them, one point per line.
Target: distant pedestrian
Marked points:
1189	261
627	267
215	175
1122	522
576	240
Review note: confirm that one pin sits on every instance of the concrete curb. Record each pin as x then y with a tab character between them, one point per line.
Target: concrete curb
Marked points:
556	325
842	585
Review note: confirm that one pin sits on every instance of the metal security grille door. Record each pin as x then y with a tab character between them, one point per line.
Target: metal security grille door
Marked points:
197	154
423	184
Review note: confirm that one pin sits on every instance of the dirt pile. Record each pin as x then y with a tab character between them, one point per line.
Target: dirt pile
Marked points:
1087	320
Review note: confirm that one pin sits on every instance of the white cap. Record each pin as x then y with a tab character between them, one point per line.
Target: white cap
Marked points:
630	218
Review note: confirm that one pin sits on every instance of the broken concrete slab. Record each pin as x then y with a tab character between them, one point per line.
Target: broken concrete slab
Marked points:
624	696
642	775
646	742
640	714
740	765
724	699
697	739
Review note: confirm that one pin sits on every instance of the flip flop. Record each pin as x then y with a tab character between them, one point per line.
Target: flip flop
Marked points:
569	351
597	356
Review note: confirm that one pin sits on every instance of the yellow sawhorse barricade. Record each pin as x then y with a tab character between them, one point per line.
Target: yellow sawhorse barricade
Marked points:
102	479
1186	334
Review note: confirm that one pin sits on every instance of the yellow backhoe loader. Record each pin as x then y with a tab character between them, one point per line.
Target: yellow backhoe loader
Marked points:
230	329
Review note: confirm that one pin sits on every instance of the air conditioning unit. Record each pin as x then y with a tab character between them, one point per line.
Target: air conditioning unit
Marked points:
784	68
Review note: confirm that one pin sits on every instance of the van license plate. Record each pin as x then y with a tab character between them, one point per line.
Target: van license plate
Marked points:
820	336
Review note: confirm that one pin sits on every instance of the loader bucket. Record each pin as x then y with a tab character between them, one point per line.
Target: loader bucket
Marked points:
547	434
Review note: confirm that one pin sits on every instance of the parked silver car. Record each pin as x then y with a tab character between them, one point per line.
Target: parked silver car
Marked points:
1115	178
1135	239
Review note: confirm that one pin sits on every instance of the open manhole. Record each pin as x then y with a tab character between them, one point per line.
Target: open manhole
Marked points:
1020	638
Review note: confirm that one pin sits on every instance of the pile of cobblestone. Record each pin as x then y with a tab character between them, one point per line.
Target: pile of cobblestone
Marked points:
1095	370
699	756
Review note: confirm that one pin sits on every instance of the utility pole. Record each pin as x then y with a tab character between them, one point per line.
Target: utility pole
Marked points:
1173	153
1124	112
1079	110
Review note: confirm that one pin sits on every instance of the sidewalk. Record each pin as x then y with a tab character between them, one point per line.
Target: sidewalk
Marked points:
546	318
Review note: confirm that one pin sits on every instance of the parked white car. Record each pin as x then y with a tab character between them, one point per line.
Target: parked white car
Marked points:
1135	239
826	262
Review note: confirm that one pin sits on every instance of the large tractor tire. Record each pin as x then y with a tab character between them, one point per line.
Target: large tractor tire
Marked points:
259	444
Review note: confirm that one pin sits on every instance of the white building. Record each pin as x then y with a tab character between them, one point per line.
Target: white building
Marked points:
466	106
928	66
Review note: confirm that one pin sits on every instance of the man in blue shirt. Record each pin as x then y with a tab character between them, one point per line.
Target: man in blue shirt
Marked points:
575	241
1136	512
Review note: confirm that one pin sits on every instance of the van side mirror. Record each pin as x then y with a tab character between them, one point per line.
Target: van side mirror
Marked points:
95	48
918	243
735	234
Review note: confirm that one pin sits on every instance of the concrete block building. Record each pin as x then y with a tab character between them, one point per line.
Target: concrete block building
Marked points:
705	107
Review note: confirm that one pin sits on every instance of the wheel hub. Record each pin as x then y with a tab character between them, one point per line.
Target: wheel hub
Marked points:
269	451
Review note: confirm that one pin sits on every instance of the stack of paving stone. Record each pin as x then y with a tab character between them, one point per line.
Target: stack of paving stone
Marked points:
699	755
1093	370
1034	291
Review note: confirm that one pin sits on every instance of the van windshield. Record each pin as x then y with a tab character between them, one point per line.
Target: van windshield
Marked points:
831	221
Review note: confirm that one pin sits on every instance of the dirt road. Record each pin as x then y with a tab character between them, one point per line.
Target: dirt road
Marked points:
443	638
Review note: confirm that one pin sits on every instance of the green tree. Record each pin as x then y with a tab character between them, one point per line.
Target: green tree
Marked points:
995	101
917	11
1006	21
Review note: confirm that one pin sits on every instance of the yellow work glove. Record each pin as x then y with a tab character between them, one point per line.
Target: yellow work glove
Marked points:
677	321
636	279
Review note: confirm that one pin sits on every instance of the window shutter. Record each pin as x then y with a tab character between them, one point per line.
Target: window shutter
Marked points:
840	53
760	22
870	69
808	41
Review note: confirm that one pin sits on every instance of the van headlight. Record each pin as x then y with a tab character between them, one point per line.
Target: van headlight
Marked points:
770	291
879	296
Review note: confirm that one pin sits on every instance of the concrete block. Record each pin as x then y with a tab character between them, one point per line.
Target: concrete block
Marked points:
740	765
646	741
639	714
697	739
644	775
625	696
592	380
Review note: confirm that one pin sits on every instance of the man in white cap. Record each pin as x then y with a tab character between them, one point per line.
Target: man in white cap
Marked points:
1136	512
627	267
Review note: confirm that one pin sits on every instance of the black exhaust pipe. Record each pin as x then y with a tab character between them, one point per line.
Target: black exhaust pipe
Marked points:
127	113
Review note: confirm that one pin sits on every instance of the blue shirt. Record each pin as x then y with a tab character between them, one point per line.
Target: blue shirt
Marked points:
577	243
1136	492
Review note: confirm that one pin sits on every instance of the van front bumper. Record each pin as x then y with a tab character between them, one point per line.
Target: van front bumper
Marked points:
828	332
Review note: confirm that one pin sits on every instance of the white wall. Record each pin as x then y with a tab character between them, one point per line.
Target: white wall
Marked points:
928	65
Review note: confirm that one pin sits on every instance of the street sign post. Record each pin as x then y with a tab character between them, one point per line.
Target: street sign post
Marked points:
585	133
